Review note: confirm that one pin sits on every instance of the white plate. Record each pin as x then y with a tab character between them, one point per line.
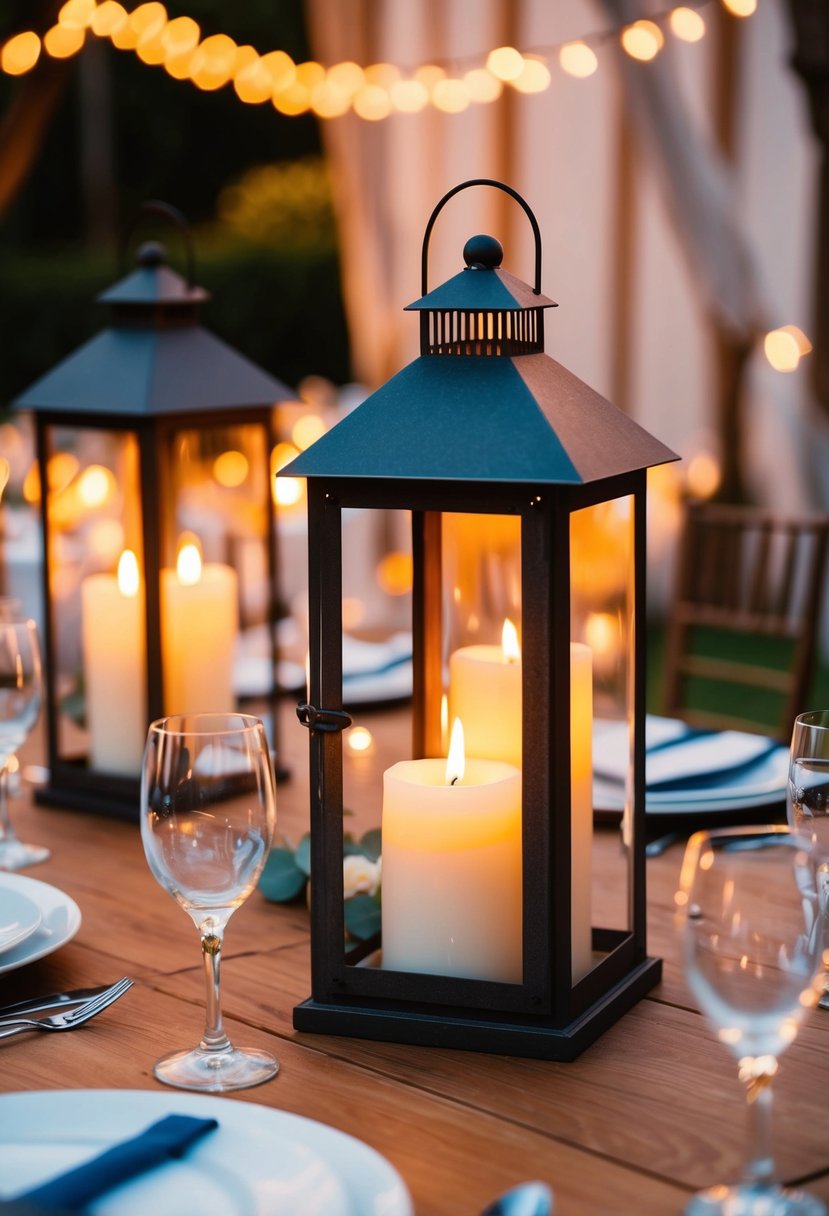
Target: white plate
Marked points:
60	921
258	1161
19	916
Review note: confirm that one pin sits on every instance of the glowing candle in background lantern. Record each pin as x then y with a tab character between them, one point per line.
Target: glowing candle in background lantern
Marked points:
199	625
113	638
485	693
581	806
452	902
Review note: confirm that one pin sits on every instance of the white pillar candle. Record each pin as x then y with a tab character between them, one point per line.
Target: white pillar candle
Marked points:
452	870
199	624
485	694
113	638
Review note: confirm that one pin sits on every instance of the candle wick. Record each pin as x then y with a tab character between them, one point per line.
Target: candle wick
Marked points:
452	782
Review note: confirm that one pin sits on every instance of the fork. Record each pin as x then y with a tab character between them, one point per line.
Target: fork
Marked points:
71	1018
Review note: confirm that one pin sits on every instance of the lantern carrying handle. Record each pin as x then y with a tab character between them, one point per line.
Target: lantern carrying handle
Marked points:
174	216
480	181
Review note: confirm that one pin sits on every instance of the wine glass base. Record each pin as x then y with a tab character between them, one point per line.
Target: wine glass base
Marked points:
747	1200
14	855
216	1071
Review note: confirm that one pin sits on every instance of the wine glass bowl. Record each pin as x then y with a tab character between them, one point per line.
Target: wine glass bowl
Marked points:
753	925
208	808
21	691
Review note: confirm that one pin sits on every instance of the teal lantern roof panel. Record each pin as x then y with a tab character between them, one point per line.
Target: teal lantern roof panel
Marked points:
481	290
478	418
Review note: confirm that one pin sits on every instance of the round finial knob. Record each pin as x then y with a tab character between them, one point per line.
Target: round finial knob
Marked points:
151	254
483	253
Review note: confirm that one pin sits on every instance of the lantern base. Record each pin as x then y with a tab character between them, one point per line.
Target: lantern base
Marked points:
535	1038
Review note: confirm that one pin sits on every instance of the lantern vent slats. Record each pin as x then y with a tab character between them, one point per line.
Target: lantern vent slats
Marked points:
483	332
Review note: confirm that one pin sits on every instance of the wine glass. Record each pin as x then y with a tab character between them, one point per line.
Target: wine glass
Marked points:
754	929
208	810
21	690
807	792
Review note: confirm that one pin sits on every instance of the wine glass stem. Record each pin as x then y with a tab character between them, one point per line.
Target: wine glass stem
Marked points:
759	1169
6	829
214	1038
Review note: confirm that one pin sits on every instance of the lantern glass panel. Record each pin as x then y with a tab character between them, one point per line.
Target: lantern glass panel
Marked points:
601	622
96	605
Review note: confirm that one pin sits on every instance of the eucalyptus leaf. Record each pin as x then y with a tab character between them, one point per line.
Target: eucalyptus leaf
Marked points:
362	916
371	842
282	880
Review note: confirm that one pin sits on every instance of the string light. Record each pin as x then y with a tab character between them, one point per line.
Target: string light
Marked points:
374	92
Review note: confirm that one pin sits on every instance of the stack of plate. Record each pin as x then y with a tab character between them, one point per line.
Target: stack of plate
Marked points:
35	920
690	772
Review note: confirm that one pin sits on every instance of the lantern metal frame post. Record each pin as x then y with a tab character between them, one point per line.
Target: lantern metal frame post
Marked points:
154	372
410	446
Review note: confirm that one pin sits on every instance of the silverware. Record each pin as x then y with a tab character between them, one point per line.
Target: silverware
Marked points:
69	1019
54	1000
526	1199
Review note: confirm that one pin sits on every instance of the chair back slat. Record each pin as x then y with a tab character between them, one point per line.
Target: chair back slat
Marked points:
750	583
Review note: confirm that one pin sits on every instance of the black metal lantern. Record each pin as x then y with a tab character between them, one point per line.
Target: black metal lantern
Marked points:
154	444
527	498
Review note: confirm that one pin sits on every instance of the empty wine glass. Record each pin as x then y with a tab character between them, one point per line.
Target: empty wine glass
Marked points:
754	930
208	810
21	690
807	792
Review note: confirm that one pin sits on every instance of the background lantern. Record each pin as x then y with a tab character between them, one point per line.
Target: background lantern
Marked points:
154	448
527	498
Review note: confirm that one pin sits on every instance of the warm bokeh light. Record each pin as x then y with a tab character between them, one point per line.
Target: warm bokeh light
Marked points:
128	580
354	611
505	62
287	491
96	486
578	59
450	96
456	760
147	20
62	41
20	54
307	430
534	77
107	18
231	468
293	100
784	347
643	40
60	470
76	14
359	740
309	74
5	474
372	102
429	74
347	77
150	49
253	83
383	74
482	86
409	96
703	476
105	540
188	563
740	8
283	454
328	101
601	633
213	62
394	573
31	485
687	24
180	36
281	69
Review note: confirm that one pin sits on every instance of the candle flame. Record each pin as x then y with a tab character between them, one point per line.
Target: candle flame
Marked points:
128	574
456	760
509	642
188	564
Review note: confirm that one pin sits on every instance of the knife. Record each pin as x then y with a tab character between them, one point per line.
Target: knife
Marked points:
38	1004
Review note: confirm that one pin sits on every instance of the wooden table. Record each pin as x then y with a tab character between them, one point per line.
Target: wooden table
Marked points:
644	1117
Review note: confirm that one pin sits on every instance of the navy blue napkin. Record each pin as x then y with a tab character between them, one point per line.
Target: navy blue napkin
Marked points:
72	1191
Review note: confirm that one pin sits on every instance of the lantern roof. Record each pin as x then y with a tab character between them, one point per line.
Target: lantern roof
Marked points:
154	358
483	402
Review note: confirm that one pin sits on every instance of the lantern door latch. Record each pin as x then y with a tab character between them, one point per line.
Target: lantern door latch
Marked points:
326	720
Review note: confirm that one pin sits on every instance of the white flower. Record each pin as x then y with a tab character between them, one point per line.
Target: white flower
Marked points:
360	874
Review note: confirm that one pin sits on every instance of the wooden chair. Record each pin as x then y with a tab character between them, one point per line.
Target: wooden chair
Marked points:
741	634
